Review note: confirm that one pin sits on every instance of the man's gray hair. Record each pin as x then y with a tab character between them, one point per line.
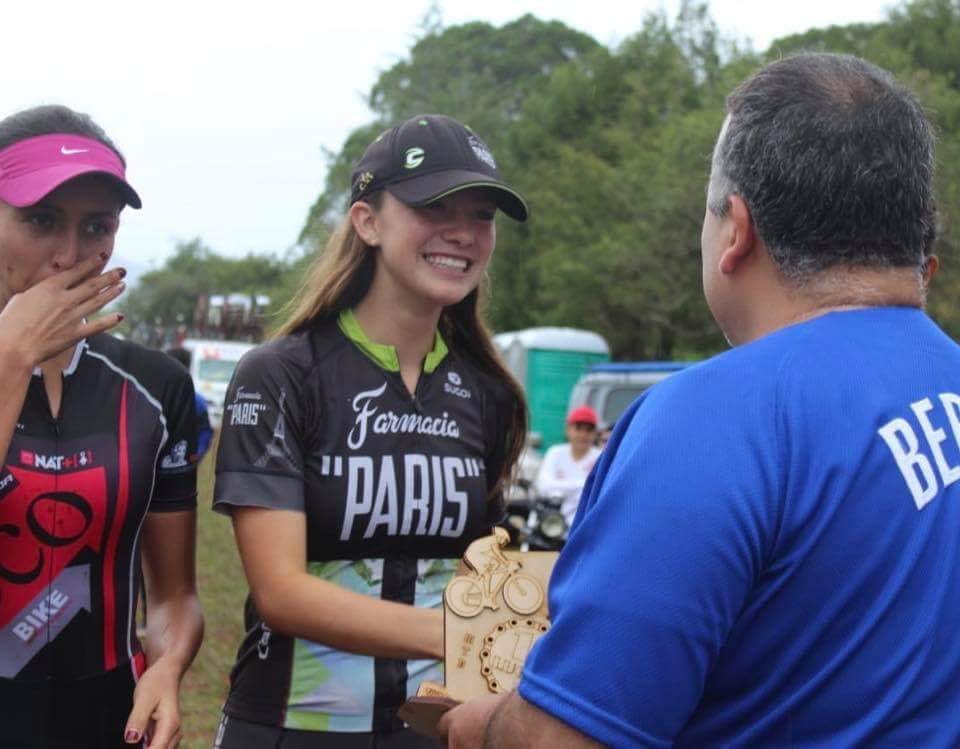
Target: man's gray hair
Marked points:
835	162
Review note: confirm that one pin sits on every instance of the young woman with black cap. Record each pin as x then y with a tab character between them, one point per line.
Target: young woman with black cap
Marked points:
95	437
364	449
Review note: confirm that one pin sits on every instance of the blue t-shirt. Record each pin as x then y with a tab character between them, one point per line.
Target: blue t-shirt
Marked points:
768	552
204	430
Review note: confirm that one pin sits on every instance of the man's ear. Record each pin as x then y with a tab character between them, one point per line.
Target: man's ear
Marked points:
931	265
364	220
740	235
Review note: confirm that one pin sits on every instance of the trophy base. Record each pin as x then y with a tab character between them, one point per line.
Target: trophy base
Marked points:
495	609
423	712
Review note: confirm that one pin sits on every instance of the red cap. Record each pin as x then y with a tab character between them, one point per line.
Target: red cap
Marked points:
582	415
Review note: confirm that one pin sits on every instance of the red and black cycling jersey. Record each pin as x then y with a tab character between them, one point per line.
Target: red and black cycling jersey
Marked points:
74	492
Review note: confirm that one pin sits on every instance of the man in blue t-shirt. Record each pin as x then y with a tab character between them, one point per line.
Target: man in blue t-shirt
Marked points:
766	553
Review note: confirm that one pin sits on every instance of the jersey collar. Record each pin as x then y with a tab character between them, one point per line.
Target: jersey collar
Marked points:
74	360
385	355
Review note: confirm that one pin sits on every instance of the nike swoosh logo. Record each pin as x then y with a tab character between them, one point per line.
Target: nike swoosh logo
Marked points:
70	151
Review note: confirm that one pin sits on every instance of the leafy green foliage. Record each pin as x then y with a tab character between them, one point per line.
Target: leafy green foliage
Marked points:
167	297
611	149
476	72
613	156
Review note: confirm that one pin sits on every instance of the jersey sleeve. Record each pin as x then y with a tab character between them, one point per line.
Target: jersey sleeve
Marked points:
261	453
665	547
175	485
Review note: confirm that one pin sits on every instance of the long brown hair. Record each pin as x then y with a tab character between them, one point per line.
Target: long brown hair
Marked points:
340	277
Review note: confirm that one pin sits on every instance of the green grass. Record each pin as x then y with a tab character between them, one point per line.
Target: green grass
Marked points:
222	590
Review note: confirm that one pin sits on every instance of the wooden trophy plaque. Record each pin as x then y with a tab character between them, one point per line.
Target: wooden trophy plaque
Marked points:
494	609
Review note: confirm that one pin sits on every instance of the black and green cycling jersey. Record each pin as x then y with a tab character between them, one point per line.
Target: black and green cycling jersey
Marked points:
394	486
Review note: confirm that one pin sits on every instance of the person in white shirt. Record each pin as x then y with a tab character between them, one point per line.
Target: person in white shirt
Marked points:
565	467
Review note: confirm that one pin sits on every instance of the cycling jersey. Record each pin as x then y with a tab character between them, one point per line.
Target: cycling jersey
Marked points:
74	492
394	487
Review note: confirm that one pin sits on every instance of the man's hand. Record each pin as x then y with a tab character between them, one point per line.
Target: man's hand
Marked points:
48	318
508	722
464	726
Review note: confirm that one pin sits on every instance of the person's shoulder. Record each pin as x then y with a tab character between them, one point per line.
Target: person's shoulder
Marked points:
799	355
304	346
698	381
301	350
120	349
144	364
493	388
732	393
750	367
558	450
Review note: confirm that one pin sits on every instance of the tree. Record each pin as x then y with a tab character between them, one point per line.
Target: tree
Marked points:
613	156
167	297
476	72
611	149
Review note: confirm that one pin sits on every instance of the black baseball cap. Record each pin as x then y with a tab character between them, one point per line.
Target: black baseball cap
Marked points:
428	157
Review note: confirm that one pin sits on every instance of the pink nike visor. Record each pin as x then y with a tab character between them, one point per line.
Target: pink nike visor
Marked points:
32	168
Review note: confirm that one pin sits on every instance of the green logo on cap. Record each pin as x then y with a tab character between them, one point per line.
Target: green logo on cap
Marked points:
414	158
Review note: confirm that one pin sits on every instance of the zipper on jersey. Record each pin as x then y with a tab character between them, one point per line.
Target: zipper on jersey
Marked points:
396	381
57	435
418	390
55	428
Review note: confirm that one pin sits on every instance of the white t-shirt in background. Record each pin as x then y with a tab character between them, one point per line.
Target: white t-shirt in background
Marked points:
561	474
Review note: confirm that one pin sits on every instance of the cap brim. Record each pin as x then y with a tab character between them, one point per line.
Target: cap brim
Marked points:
425	188
33	187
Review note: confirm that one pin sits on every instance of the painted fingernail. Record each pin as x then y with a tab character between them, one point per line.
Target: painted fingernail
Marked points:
119	318
132	736
122	272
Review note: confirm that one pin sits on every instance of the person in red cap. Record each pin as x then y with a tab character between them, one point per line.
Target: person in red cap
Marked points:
565	467
96	481
365	447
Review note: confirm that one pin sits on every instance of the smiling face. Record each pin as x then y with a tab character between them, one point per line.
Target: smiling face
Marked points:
74	222
434	255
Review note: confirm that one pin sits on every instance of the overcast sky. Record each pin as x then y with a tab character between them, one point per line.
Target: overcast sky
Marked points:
224	109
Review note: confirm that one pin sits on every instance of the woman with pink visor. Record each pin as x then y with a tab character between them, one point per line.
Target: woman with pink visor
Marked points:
97	477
